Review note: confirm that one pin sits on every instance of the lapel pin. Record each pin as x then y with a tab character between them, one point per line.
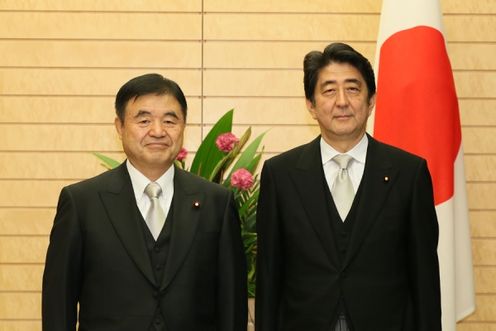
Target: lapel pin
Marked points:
386	179
196	204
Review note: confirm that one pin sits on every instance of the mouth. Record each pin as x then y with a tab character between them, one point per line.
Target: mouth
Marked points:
342	117
157	145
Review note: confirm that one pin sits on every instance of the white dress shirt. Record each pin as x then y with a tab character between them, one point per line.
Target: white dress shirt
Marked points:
139	182
355	168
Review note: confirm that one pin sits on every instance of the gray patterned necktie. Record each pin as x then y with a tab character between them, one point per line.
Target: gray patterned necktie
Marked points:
155	218
342	190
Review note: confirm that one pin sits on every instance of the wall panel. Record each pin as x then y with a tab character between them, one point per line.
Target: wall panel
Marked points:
264	83
481	197
108	5
22	278
484	251
296	6
483	224
20	305
469	7
23	249
466	55
99	53
479	112
475	326
52	165
26	221
336	6
479	140
484	279
80	81
71	109
99	25
259	111
480	168
470	28
475	84
20	325
30	194
294	27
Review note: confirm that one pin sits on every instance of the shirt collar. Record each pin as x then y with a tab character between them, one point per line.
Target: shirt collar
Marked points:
358	152
140	181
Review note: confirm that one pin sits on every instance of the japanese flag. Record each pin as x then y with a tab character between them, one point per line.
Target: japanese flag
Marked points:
417	110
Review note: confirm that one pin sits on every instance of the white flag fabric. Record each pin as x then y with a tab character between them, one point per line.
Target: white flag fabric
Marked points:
417	110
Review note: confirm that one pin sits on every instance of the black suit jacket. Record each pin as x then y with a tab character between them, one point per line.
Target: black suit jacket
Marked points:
97	257
389	278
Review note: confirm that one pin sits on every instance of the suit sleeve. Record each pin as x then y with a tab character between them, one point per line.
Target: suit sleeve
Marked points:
232	303
62	275
269	255
423	259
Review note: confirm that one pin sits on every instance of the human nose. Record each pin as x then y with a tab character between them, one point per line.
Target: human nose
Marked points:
341	98
157	129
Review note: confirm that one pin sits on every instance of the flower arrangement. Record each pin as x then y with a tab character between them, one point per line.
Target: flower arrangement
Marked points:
221	158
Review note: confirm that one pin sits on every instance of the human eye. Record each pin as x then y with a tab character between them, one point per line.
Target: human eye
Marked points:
170	121
353	90
143	121
330	91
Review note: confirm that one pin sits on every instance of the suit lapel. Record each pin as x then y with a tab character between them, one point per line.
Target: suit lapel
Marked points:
310	182
186	216
120	204
378	178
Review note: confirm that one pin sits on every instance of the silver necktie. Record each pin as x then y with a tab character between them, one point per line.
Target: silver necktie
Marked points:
155	218
342	190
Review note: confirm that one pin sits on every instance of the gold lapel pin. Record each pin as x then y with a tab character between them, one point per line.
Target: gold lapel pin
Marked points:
196	204
386	179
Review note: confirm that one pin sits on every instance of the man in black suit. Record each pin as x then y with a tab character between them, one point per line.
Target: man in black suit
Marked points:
364	265
110	251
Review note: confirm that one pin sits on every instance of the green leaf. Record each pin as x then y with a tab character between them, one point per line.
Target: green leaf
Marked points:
216	174
208	155
254	163
108	162
246	158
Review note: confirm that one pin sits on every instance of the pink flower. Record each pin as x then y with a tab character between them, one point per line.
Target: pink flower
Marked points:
182	154
242	179
225	142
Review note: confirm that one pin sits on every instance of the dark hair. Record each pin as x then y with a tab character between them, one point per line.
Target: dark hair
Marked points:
148	84
315	61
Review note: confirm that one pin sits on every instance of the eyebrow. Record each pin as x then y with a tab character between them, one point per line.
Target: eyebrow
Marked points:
171	113
348	80
142	113
146	113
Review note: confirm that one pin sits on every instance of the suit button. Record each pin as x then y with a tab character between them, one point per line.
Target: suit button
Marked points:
158	322
158	267
156	294
156	248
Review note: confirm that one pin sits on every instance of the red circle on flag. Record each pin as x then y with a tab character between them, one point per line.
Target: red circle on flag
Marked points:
416	106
